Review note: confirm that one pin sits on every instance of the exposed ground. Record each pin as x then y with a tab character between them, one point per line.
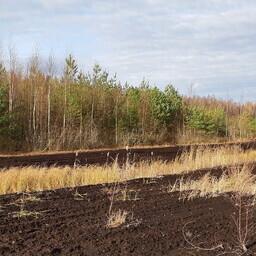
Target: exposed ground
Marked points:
73	221
157	219
106	156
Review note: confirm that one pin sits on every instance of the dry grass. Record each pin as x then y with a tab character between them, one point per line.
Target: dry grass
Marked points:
79	196
122	193
129	195
240	183
27	179
121	218
28	198
236	179
23	213
205	157
117	219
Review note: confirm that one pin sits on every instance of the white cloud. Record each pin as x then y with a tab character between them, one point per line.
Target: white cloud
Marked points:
210	43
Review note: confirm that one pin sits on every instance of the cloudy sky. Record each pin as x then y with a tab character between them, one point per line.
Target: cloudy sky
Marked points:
209	45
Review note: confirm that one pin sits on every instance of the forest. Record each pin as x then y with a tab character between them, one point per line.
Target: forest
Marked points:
42	110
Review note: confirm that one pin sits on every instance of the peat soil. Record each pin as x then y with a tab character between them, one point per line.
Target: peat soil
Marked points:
108	156
73	221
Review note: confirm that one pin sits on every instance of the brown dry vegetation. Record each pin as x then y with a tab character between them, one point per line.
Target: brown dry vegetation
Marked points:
238	185
238	179
26	179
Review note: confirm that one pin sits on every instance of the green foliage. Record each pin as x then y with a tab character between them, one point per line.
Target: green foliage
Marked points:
175	99
83	110
71	68
208	121
3	100
131	109
253	124
165	105
2	72
8	125
100	78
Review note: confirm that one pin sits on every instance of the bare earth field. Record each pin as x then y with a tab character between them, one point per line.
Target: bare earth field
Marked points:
102	157
74	221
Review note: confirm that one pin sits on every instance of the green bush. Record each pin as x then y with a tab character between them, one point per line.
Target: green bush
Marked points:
165	105
8	125
208	121
253	124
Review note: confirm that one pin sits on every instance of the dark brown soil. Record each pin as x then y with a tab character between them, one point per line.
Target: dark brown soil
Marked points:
105	156
73	222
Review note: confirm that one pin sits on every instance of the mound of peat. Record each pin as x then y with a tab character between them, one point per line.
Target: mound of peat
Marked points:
102	157
73	221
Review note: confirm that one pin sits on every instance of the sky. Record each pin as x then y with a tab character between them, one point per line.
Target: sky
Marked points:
204	46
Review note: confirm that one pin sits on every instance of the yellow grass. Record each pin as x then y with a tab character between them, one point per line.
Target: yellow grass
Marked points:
236	179
116	219
121	217
27	179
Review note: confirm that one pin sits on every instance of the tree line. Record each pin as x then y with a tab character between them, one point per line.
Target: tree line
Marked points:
40	110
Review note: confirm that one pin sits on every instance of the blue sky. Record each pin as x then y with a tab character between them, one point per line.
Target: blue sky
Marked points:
209	44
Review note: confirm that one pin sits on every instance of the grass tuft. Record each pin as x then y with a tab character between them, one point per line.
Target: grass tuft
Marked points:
117	219
236	179
31	178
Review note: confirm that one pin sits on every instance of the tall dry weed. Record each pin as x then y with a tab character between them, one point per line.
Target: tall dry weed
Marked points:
26	179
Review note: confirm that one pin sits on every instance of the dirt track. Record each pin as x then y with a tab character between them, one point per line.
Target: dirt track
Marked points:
72	224
104	156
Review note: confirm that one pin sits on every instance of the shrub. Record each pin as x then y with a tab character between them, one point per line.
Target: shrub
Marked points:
208	121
